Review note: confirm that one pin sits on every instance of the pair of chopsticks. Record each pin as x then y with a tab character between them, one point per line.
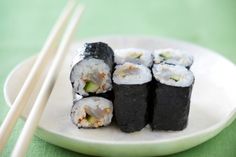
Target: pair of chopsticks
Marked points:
47	53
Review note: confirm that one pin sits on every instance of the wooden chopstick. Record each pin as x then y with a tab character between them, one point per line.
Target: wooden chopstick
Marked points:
40	102
34	75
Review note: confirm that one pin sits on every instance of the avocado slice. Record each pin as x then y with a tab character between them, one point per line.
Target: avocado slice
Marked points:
91	87
136	55
91	119
176	78
165	55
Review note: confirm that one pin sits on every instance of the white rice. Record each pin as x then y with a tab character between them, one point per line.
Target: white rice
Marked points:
89	69
176	57
95	105
128	55
130	73
164	72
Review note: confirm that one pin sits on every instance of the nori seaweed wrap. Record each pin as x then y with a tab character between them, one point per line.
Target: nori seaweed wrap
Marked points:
131	87
172	93
92	68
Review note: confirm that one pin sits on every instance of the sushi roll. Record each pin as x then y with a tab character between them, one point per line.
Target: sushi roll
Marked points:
92	112
91	69
134	55
173	87
131	86
173	56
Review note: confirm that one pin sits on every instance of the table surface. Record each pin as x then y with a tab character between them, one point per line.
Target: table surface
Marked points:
25	24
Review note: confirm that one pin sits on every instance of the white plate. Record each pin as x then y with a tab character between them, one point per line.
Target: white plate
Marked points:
213	106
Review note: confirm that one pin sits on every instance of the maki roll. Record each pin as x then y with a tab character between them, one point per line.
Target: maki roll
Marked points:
173	56
133	55
131	86
91	69
92	112
173	87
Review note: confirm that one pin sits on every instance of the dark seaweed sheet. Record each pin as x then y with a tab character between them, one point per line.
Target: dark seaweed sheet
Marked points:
170	107
99	50
130	106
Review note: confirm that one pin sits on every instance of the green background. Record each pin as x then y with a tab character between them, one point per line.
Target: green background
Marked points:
25	24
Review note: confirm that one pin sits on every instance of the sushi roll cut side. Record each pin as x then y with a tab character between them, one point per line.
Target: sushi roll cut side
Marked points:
173	87
131	74
91	76
131	86
133	55
92	67
173	56
92	112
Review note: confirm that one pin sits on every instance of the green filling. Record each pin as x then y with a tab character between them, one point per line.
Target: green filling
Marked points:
175	78
136	55
165	56
91	87
91	119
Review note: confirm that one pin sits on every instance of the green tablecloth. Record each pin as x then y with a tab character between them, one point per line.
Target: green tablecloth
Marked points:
25	24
